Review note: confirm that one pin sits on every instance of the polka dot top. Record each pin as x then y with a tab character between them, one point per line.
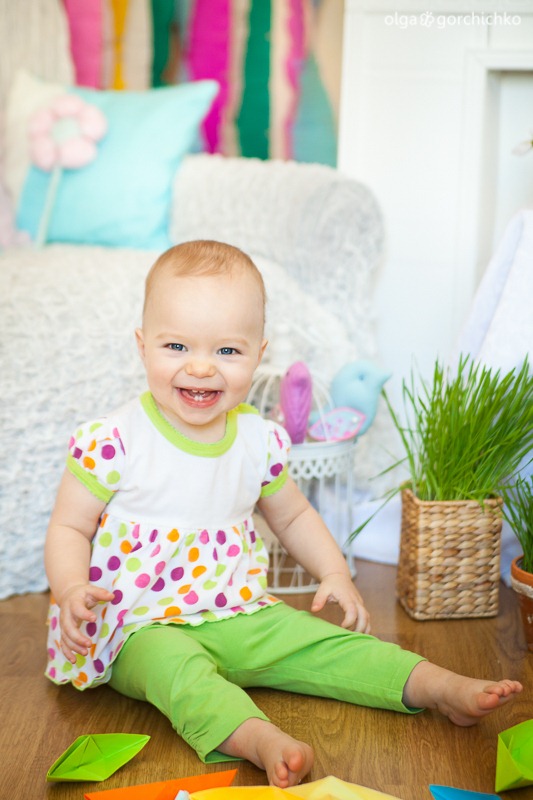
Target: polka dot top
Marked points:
176	542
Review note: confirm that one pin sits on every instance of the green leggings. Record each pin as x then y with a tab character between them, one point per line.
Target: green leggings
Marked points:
196	675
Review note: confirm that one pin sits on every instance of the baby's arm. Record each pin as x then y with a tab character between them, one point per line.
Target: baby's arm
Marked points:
72	526
304	535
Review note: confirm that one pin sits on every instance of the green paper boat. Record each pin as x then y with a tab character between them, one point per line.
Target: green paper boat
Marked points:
514	759
94	757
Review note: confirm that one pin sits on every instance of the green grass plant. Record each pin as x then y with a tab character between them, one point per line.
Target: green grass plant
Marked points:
518	511
465	432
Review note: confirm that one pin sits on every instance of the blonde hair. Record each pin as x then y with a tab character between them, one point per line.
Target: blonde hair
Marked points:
202	257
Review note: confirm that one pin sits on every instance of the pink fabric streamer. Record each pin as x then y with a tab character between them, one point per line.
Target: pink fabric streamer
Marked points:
85	24
294	63
208	56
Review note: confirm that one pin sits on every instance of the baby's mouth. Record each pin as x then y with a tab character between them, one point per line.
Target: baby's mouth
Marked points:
199	397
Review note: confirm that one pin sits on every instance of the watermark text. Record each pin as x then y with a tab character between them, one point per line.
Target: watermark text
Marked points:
429	19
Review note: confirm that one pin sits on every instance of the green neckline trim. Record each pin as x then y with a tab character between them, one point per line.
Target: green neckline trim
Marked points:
206	449
247	408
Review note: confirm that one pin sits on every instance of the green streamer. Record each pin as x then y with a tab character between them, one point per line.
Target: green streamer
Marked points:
162	22
253	121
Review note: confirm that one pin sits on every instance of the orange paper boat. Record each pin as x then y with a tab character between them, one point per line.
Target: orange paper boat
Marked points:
166	790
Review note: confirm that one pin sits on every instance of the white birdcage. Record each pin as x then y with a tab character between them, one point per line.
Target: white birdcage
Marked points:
323	470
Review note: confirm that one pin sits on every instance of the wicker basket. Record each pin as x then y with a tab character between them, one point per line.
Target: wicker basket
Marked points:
449	565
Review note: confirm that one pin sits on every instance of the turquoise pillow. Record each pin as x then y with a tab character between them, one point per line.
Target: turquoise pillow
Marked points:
123	198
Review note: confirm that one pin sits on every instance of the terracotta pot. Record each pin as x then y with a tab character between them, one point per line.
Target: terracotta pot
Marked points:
522	583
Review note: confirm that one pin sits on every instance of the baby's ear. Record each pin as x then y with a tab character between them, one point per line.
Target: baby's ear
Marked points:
262	350
139	338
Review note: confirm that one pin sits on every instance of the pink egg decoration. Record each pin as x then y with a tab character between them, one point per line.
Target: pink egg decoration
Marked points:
296	398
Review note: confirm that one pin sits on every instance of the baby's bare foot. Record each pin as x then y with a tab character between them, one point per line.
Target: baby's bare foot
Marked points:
285	760
287	768
463	700
472	699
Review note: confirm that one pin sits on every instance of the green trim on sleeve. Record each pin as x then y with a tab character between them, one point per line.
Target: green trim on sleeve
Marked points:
275	485
89	481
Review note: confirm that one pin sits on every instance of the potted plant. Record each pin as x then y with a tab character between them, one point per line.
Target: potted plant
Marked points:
464	434
518	511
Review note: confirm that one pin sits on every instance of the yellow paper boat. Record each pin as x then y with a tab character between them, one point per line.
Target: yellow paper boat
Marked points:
329	788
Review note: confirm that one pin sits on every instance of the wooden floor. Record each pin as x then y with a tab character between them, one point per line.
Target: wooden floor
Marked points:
391	752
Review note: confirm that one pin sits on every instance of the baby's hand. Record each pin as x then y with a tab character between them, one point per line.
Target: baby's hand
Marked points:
338	588
76	604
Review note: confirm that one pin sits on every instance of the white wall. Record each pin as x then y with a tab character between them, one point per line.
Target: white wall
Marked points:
514	176
432	96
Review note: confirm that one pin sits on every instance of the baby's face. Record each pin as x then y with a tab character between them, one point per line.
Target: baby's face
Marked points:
201	341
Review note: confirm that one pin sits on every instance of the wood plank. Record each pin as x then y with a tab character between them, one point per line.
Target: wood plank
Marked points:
391	752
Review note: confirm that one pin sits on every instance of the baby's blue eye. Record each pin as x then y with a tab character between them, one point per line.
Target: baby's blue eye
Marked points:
176	346
227	351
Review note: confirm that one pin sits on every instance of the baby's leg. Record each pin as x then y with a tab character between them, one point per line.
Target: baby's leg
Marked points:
311	656
170	668
285	760
463	700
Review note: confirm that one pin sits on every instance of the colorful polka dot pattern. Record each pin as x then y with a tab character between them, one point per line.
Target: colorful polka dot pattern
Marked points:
159	573
164	575
98	456
278	448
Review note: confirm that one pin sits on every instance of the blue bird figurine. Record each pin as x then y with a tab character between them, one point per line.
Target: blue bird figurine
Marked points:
358	385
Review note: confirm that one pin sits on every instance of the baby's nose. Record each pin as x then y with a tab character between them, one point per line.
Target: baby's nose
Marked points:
200	367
